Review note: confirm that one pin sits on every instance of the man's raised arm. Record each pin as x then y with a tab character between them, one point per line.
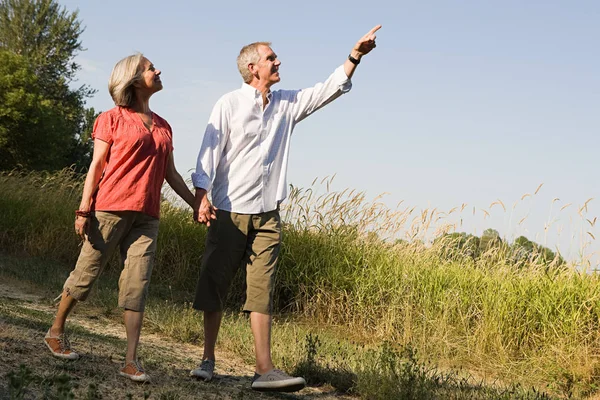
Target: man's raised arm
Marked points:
364	45
307	101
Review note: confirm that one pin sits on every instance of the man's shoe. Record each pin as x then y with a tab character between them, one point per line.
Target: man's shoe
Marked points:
277	381
205	370
60	346
134	371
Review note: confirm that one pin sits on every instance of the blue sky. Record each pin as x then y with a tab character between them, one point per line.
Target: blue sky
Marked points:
461	101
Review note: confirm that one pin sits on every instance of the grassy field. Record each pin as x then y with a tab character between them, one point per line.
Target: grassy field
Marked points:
336	368
375	318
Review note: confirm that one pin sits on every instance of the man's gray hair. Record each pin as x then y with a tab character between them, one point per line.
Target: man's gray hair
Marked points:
249	55
120	84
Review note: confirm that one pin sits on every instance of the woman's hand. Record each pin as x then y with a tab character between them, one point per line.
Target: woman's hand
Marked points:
81	226
204	212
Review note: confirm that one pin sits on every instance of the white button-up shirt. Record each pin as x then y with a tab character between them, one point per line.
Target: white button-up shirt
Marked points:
244	155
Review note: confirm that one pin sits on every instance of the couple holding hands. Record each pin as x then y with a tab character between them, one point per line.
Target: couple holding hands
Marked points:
242	163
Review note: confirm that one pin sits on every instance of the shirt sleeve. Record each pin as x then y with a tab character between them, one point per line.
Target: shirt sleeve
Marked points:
170	130
215	137
306	101
103	128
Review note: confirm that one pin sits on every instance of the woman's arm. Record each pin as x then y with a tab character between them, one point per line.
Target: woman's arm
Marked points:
91	183
177	183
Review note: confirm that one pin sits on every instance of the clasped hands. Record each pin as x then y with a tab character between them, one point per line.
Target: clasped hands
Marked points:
204	211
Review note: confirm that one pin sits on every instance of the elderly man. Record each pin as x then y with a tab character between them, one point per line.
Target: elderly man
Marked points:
243	164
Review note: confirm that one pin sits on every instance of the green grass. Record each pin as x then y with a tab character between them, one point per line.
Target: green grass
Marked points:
531	325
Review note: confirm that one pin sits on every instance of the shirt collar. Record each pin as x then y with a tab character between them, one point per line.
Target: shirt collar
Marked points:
128	111
252	93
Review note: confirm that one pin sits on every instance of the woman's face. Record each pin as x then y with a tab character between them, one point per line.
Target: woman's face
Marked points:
150	81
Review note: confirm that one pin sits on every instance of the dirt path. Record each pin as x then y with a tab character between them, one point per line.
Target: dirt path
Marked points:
25	316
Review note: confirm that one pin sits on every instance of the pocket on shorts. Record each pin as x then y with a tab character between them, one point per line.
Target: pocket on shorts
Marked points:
103	228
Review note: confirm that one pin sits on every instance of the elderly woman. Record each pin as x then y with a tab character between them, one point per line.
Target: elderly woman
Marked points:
120	206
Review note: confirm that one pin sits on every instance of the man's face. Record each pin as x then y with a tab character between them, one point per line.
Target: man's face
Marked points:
268	66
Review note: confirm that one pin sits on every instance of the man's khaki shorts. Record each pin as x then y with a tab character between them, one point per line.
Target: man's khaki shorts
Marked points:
135	234
235	240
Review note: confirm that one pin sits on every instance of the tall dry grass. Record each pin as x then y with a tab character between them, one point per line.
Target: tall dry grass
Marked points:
342	265
37	216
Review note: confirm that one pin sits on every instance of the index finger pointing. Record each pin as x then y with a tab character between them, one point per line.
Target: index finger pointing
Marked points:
375	29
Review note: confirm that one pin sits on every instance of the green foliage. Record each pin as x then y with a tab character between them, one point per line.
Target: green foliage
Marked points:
41	204
463	247
339	376
93	393
458	246
43	32
526	252
30	128
63	386
55	387
490	239
81	146
18	382
43	122
392	372
390	376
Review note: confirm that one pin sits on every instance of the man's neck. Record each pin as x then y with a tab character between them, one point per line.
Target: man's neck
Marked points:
264	89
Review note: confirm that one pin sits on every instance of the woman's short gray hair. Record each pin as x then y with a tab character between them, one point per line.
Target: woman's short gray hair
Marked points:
120	84
249	55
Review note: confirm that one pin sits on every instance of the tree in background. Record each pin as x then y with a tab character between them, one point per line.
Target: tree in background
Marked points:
43	121
81	148
490	239
457	246
29	125
522	252
526	251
